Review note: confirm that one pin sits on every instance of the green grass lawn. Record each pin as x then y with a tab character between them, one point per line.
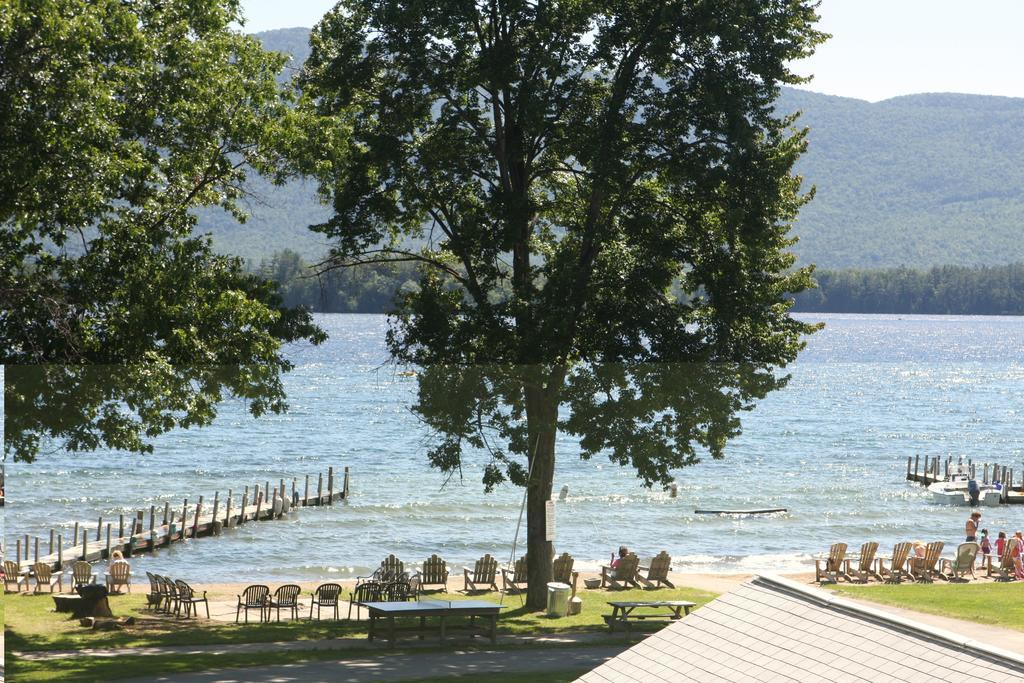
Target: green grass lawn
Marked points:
32	625
999	604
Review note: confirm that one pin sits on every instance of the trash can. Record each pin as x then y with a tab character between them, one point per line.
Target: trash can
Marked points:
558	599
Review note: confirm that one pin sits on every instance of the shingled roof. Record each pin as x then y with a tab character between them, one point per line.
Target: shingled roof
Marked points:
772	629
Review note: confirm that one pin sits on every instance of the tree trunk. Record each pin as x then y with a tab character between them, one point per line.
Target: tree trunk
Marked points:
542	416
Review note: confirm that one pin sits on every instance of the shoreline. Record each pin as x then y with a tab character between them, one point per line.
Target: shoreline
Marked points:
711	582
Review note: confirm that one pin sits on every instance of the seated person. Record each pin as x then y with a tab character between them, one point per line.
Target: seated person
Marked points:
623	551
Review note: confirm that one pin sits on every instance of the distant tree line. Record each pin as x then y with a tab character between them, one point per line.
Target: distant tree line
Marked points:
992	290
960	290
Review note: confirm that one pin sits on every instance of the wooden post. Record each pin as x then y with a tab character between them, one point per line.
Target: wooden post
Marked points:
36	549
295	494
917	457
184	515
259	503
99	528
120	529
171	528
60	551
330	485
109	533
266	490
85	544
51	543
305	497
227	512
245	501
167	523
972	471
320	488
947	467
344	483
17	547
195	522
273	505
216	505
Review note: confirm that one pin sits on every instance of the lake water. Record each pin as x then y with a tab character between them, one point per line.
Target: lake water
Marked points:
831	447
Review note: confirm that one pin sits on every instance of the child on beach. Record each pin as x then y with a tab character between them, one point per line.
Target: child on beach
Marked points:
985	545
1000	544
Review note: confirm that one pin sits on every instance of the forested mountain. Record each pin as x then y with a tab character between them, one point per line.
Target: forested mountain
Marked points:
920	180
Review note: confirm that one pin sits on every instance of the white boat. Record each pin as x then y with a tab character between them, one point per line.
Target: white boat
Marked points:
957	489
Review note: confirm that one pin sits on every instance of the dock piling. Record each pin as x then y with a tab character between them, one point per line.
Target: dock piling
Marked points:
305	497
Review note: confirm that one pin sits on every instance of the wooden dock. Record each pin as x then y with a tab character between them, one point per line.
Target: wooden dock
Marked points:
936	469
192	520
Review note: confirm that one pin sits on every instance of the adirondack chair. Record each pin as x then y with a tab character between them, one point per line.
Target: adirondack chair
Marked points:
897	570
253	597
954	569
46	577
833	565
865	564
325	595
286	596
923	568
561	571
155	595
433	573
1006	569
622	576
514	581
82	574
187	599
13	574
483	574
657	573
119	574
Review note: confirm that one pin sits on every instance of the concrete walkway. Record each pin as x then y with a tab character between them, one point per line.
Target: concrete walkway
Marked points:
1004	638
475	665
341	644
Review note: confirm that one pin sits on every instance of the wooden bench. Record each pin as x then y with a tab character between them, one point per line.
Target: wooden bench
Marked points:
658	610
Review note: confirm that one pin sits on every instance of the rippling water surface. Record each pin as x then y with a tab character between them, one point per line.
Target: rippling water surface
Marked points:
831	447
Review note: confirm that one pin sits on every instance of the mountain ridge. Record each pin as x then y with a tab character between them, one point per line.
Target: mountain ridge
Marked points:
920	180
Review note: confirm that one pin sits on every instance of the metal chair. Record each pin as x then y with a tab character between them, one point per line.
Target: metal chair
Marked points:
368	591
325	595
286	596
187	598
253	597
155	595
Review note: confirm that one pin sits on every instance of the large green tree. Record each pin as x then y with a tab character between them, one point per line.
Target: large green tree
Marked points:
583	156
116	120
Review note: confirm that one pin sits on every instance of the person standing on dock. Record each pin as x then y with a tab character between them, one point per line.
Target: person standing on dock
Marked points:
972	527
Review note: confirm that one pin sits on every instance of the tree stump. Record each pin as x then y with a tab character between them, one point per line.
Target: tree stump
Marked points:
91	601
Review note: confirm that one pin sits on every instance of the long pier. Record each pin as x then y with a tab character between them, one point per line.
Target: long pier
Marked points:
936	469
191	520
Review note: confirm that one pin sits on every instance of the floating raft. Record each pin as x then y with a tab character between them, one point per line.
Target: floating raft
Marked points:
267	504
764	511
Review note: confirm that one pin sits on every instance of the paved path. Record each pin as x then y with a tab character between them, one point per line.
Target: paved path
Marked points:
477	664
340	644
1007	639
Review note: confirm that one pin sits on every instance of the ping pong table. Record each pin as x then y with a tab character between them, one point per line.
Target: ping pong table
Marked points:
443	609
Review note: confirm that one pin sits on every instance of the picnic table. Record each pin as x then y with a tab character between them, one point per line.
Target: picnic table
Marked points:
659	610
442	609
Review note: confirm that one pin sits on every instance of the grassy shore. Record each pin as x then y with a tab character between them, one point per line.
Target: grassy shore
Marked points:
33	626
998	604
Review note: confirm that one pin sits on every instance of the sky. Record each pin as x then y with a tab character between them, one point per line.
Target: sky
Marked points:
879	48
